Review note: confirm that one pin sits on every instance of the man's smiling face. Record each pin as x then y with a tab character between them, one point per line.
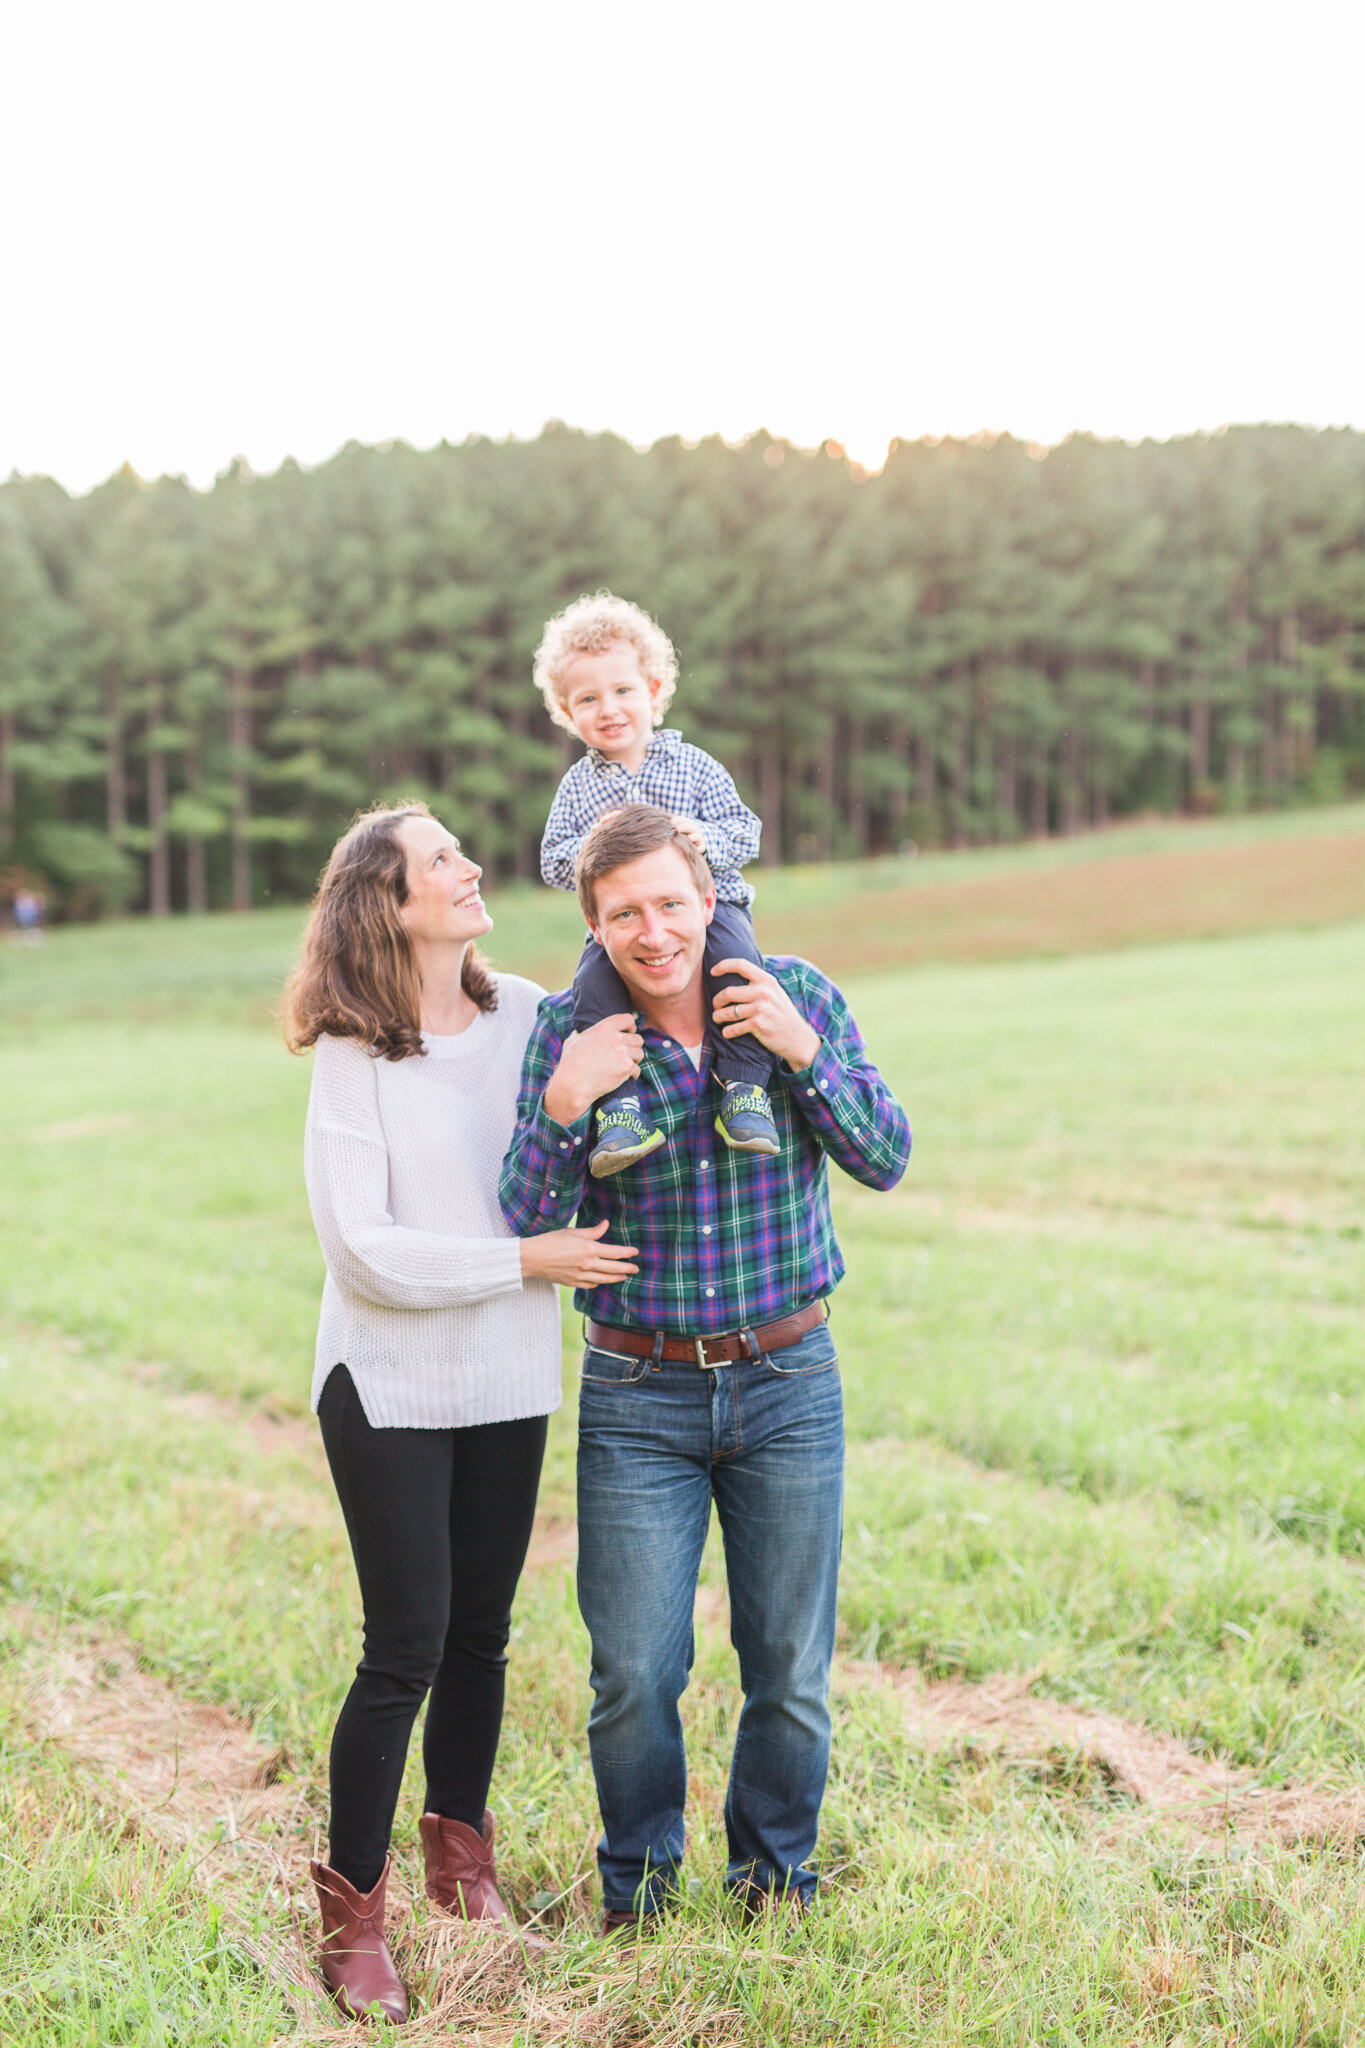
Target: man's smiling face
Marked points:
652	919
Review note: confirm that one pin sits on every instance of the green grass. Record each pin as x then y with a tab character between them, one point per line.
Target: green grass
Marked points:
1106	1401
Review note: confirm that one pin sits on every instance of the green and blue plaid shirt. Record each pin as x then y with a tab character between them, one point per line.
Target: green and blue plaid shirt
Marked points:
727	1240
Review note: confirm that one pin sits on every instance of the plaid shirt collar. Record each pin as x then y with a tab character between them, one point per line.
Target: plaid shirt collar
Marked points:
666	741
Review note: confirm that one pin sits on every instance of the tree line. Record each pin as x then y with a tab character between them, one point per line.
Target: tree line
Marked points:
981	642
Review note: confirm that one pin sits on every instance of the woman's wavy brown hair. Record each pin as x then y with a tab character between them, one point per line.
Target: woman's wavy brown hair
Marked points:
357	975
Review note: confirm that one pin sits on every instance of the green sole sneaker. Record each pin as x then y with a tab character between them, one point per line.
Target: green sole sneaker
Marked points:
618	1150
764	1141
742	1140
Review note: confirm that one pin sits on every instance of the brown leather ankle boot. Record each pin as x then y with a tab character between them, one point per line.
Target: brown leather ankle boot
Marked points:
461	1876
356	1962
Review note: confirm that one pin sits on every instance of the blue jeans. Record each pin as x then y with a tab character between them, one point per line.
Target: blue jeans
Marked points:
764	1438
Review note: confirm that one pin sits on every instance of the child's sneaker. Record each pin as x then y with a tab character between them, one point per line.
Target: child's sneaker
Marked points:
746	1120
623	1136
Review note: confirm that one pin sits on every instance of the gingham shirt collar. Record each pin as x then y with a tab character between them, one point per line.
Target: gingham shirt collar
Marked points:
666	741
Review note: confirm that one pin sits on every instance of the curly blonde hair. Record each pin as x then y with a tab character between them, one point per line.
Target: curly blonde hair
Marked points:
589	626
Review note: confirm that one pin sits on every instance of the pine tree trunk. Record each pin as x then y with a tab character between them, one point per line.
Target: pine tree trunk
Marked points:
1099	801
1037	799
1239	659
6	777
1199	740
525	848
1270	739
1298	732
853	782
159	863
1147	690
1071	782
1007	786
239	745
115	776
825	785
196	877
926	766
770	798
898	802
196	867
962	740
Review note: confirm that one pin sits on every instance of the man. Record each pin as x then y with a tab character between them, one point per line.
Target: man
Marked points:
710	1374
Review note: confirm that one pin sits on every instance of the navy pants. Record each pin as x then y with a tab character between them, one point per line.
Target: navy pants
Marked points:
598	992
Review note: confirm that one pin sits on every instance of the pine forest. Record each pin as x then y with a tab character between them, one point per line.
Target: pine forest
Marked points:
983	641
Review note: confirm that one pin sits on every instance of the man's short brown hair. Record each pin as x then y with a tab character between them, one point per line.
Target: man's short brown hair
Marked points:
627	835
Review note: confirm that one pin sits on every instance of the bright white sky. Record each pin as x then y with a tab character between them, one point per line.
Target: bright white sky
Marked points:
270	227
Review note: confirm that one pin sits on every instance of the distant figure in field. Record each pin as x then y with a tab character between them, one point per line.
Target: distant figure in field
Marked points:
607	672
438	1356
29	911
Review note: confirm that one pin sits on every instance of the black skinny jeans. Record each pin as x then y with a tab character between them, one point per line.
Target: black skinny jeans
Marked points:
439	1521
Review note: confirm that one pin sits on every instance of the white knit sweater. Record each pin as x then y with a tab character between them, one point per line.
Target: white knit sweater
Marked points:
424	1299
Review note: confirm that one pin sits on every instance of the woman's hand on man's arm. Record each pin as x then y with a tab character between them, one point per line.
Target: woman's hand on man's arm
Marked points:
577	1258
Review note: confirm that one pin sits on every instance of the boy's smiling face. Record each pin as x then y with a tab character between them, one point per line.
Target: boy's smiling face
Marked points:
610	702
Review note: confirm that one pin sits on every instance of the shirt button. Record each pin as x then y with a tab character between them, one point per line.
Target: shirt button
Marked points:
668	1041
710	1291
706	1230
824	1087
810	1091
702	1165
578	1141
563	1144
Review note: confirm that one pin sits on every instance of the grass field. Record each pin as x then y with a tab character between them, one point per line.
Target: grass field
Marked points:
1106	1519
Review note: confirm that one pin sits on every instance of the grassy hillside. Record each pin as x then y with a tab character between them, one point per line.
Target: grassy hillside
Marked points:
1106	1399
1137	884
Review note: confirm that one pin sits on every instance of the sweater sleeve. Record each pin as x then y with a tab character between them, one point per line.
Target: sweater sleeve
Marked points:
347	1167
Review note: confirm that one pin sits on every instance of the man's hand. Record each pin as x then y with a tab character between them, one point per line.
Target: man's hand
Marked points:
592	1063
691	828
765	1009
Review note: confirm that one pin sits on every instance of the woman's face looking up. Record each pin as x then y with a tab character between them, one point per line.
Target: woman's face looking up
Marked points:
444	906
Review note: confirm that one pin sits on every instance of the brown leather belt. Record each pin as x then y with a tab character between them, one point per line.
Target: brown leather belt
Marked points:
708	1351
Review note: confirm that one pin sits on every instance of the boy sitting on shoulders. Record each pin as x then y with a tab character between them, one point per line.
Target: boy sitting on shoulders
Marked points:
608	673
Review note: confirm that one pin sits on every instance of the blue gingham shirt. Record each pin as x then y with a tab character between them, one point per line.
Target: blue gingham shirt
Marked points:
677	777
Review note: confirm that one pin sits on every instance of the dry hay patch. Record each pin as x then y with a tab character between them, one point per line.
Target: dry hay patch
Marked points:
1169	1783
194	1776
189	1766
1131	899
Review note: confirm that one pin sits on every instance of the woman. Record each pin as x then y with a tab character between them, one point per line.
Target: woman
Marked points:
437	1360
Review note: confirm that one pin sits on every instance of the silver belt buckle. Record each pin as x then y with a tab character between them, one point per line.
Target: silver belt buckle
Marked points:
699	1346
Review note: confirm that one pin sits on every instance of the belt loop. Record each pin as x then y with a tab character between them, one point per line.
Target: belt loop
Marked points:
656	1355
750	1343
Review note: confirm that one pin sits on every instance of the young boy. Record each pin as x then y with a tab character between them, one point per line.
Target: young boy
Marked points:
608	673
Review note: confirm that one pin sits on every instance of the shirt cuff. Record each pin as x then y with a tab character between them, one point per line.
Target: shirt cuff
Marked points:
820	1081
717	845
559	1142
